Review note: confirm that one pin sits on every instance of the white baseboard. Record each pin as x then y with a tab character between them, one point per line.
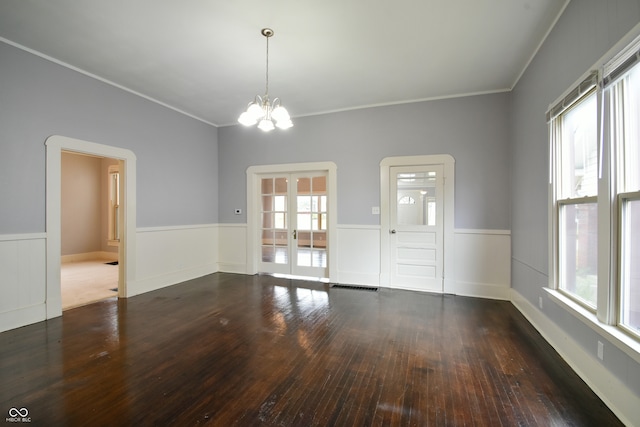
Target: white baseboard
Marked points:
22	317
90	256
358	278
169	279
613	392
227	267
483	290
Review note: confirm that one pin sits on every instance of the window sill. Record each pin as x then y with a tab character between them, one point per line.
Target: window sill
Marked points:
620	339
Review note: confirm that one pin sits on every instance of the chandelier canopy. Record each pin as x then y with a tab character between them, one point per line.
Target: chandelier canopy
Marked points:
263	111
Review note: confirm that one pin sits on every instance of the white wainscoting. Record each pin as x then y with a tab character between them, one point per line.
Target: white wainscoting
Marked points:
232	248
22	280
169	255
359	255
482	263
482	258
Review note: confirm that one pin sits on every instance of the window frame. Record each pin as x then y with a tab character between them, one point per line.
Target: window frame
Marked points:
607	318
622	198
586	87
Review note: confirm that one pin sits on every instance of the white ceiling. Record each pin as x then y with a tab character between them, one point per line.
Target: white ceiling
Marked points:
206	58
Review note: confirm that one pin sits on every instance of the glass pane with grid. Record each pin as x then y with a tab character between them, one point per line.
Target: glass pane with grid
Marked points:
311	203
274	236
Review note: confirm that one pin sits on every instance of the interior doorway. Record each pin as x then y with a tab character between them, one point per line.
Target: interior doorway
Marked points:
416	227
90	228
417	223
291	220
126	214
294	224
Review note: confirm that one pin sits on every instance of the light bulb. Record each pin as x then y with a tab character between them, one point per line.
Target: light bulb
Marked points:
255	111
246	119
280	113
266	125
284	124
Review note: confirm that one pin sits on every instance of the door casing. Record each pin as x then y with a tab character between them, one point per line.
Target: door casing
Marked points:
448	163
127	249
253	209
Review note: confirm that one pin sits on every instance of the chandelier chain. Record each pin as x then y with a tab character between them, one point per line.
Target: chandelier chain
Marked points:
267	79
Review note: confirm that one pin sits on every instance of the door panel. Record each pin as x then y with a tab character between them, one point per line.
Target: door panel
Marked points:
311	225
293	229
274	225
416	224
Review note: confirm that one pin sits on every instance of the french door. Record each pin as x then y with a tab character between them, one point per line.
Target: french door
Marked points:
416	205
294	224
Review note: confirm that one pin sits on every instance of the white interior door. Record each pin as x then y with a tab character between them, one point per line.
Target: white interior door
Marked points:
294	224
416	195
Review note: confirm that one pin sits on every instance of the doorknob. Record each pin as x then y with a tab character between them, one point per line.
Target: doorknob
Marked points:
392	231
295	234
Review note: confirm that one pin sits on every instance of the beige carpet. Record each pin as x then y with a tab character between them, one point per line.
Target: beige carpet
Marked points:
84	282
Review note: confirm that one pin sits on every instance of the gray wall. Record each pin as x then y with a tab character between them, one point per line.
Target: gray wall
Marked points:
584	33
474	130
176	156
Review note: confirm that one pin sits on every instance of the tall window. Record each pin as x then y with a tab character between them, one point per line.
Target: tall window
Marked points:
595	146
625	101
576	191
114	206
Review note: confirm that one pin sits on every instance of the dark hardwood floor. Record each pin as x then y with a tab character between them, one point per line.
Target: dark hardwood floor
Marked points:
256	350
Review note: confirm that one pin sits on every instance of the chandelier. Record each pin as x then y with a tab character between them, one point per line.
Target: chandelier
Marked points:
261	110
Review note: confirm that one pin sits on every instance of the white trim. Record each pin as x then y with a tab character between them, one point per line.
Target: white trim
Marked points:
483	290
388	104
103	80
127	254
449	209
624	342
358	227
90	256
539	46
253	173
624	403
174	228
482	231
16	237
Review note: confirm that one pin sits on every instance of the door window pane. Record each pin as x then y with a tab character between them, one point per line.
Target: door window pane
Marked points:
579	249
416	198
274	220
311	220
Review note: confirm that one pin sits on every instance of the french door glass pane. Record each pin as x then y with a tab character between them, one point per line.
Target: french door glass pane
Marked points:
274	220
630	290
416	204
311	221
579	251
